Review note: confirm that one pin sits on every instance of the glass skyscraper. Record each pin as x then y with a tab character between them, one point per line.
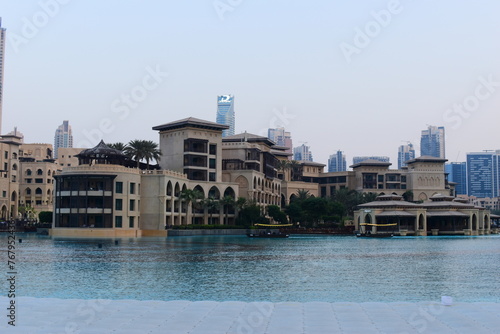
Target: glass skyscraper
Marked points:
337	162
483	174
432	142
2	60
302	153
405	153
281	138
457	172
63	137
225	113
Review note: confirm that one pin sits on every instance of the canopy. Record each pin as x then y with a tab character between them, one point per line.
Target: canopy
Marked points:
446	214
369	224
395	214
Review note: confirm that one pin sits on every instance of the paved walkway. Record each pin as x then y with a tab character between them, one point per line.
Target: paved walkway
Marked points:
63	316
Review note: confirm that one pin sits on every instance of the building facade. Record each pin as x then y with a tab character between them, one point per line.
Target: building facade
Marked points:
357	160
337	162
302	153
281	138
225	113
62	138
457	173
483	174
9	176
432	142
405	153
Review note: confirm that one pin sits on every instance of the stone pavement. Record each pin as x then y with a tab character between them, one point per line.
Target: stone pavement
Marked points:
64	316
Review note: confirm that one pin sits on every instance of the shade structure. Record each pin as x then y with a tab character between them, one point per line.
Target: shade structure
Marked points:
446	214
395	214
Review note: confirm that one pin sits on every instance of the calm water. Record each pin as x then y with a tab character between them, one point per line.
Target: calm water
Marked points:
301	268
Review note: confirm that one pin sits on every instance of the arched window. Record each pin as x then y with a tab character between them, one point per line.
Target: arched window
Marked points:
14	167
39	172
38	191
28	191
28	172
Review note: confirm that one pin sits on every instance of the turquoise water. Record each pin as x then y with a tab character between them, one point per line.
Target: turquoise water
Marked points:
301	268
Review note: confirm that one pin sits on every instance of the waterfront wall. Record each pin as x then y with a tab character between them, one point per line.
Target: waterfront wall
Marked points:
183	233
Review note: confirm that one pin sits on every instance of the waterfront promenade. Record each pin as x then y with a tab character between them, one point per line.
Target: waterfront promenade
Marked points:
58	316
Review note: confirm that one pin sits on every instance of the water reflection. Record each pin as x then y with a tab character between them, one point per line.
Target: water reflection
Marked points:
239	268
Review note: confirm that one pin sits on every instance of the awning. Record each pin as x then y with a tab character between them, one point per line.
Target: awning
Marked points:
395	214
447	214
369	224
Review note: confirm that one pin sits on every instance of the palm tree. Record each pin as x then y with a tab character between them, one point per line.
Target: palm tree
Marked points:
151	152
303	194
283	165
118	146
227	202
294	166
211	204
190	196
135	150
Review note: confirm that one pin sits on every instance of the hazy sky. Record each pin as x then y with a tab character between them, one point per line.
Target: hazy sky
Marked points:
359	76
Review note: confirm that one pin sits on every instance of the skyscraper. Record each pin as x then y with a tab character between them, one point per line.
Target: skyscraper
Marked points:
405	153
432	142
337	162
483	174
63	137
457	172
281	138
2	61
302	153
225	113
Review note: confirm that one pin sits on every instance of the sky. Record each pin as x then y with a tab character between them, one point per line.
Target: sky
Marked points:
363	77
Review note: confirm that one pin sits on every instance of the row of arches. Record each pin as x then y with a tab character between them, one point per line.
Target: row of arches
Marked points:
39	171
213	192
38	191
259	183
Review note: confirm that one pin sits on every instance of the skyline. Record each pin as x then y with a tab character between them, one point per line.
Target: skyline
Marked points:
362	78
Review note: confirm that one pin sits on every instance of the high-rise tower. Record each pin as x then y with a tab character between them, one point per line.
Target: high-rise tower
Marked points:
2	61
405	153
62	138
432	142
225	113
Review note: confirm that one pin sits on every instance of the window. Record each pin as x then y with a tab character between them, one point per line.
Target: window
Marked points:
38	191
213	149
6	155
38	180
5	166
4	193
131	207
211	163
132	188
28	172
118	221
211	176
28	180
14	167
131	222
28	191
118	204
39	172
119	187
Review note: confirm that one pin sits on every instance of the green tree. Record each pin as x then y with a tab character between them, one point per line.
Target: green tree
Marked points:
227	202
295	170
151	152
408	196
212	205
118	146
295	212
249	215
315	208
135	150
190	196
303	194
276	214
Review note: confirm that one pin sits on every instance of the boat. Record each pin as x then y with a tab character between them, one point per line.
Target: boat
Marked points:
267	235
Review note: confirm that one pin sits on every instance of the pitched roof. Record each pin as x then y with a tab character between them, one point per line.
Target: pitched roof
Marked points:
191	122
371	162
249	137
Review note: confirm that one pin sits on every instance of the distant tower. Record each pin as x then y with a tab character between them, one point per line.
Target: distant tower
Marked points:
303	153
405	153
281	138
63	137
337	162
432	142
225	113
457	172
2	61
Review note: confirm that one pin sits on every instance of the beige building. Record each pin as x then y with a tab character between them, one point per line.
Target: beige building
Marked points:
442	215
68	156
9	179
